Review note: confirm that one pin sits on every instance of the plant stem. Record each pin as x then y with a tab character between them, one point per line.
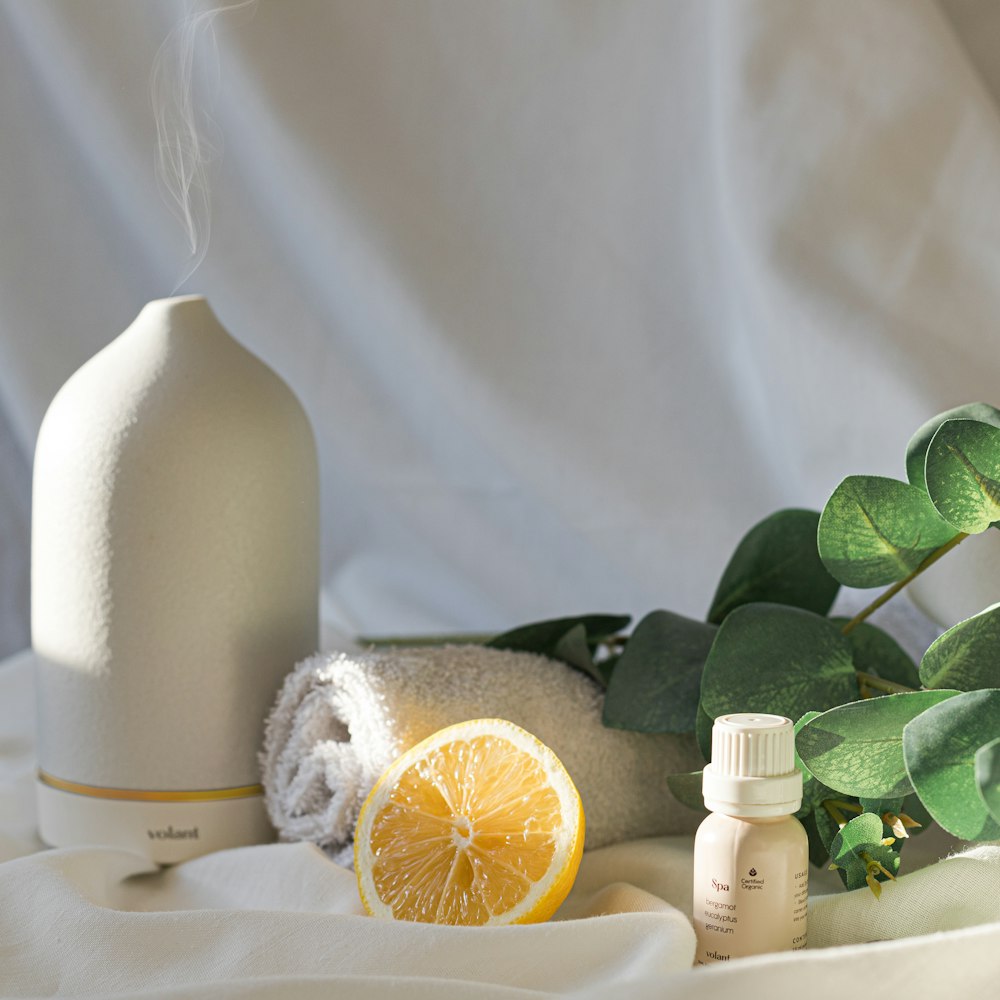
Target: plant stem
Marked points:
388	641
880	684
834	807
899	585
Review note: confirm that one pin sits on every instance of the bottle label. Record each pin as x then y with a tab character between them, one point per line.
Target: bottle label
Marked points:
761	907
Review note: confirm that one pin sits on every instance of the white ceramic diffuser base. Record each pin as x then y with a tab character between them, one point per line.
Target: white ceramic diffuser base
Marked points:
175	567
165	832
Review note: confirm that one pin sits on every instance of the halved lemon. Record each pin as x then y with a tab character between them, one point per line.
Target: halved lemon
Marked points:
477	824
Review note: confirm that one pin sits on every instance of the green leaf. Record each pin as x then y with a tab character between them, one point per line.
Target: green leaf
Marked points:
703	724
858	748
562	639
820	829
916	450
940	747
655	684
813	791
860	833
988	776
881	806
876	652
875	531
965	657
916	810
963	474
773	658
572	648
538	637
857	845
777	561
686	788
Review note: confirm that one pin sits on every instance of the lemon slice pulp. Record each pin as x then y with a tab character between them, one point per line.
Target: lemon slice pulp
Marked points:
477	824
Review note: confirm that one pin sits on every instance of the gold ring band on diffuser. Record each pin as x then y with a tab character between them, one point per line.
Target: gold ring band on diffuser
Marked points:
137	795
165	826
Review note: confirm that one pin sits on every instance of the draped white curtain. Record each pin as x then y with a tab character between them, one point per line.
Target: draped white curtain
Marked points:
573	292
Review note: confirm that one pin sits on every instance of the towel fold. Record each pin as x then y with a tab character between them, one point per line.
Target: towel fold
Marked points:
340	720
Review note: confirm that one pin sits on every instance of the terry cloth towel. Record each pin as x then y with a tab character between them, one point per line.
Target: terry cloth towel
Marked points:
340	720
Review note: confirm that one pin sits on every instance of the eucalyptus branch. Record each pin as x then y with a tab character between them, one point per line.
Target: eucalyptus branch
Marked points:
834	807
880	684
393	641
900	584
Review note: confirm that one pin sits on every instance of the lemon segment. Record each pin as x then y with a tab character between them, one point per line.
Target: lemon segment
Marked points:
477	825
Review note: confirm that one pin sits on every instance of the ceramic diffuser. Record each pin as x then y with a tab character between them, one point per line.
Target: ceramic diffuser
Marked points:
174	584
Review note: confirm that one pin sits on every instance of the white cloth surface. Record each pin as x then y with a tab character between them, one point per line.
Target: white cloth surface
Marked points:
283	921
574	292
341	719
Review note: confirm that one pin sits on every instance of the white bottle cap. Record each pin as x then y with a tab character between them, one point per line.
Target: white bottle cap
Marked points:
753	770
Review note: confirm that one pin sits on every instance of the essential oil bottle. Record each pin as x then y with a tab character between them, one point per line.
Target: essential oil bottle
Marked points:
751	855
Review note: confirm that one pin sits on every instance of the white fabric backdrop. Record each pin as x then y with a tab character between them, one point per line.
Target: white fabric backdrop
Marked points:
574	292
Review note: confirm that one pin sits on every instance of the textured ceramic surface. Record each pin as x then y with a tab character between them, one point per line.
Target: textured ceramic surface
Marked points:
174	556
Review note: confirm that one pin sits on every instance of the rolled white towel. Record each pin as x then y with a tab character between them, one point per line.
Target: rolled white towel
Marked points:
340	720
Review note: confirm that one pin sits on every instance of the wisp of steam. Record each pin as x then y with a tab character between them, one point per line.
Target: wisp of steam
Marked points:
187	139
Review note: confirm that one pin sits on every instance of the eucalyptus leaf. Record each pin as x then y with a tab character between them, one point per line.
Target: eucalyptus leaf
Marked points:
874	651
890	811
820	830
559	639
893	812
915	809
777	659
827	826
860	833
813	790
965	657
881	806
703	724
572	648
874	531
858	748
916	450
963	474
656	682
857	846
940	747
686	788
777	561
988	776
